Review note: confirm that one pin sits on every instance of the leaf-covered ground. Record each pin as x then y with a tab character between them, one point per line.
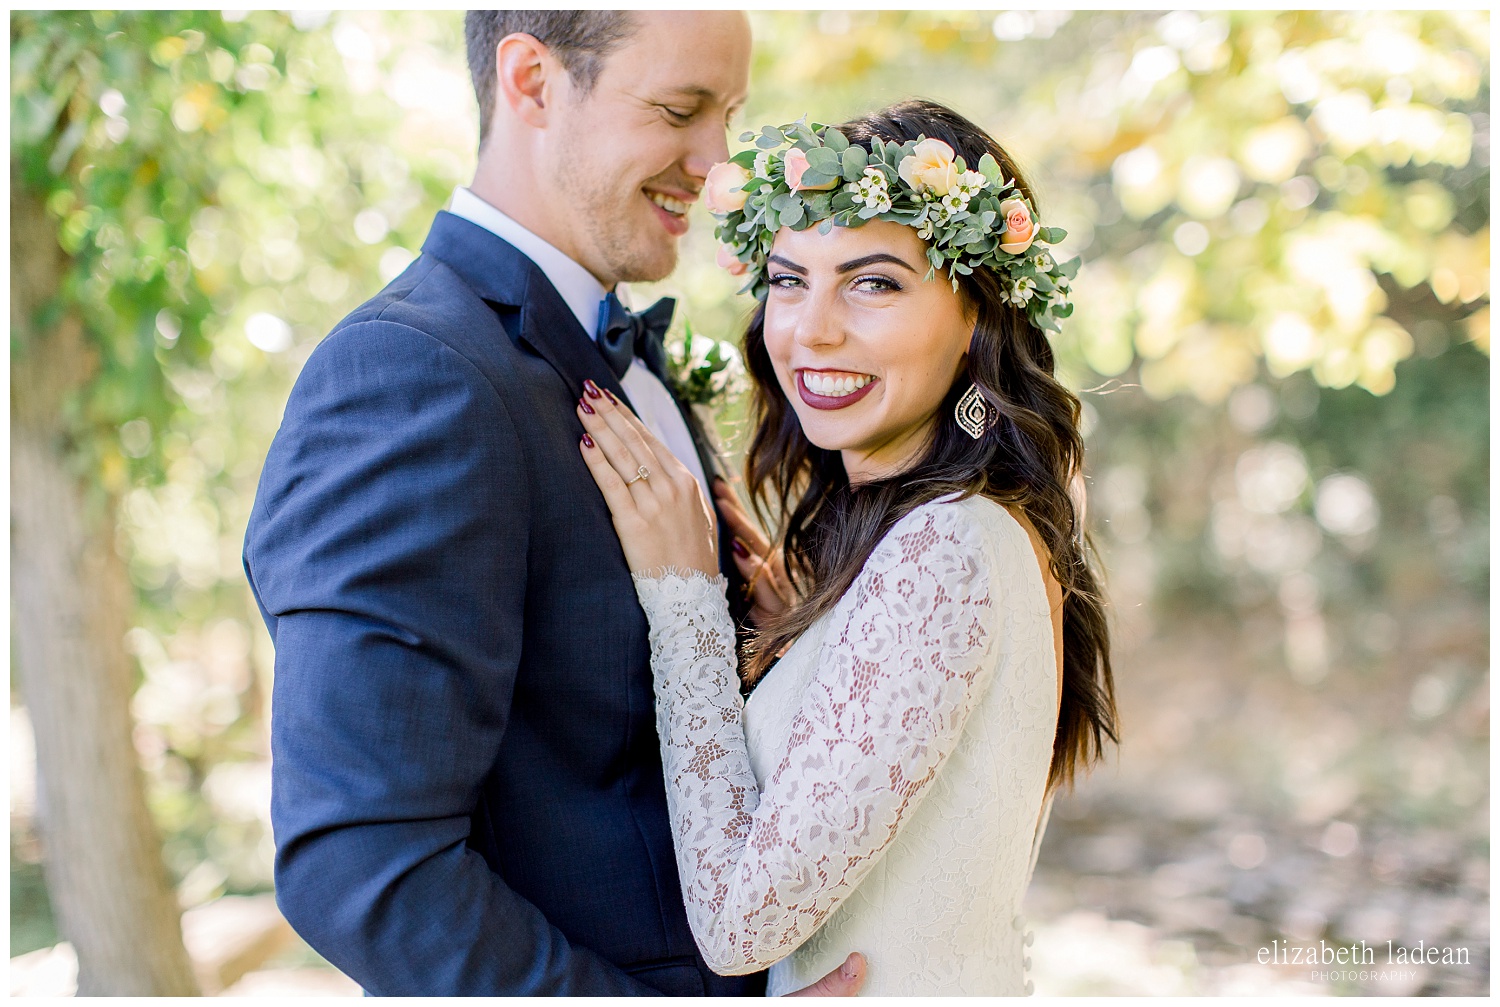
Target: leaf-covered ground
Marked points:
1169	870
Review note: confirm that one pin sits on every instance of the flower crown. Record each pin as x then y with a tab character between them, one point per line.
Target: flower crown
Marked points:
971	218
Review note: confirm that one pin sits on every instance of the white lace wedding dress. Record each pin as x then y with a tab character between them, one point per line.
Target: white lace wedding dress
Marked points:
883	790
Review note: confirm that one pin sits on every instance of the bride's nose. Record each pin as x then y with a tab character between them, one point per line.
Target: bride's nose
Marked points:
820	323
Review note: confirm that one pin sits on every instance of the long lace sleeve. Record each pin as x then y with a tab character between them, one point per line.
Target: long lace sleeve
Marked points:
904	662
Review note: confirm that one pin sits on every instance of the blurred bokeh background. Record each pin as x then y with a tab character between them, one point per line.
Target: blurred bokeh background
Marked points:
1281	342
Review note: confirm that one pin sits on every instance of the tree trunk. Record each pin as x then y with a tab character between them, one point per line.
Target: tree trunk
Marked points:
71	601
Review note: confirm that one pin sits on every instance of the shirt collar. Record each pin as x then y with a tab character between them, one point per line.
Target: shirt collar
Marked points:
576	285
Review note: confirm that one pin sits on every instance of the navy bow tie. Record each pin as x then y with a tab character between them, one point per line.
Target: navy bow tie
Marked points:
625	335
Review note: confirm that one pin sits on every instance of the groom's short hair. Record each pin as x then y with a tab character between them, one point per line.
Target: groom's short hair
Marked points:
580	39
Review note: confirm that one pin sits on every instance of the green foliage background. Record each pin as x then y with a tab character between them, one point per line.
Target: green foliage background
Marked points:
1282	338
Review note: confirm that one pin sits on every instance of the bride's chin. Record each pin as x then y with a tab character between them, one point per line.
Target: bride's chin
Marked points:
826	440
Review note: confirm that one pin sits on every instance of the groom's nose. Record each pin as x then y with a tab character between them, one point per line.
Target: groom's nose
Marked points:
708	145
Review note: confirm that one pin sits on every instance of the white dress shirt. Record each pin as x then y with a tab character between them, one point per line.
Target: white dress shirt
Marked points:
583	294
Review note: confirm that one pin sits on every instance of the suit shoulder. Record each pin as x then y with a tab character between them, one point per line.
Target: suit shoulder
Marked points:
378	367
429	297
426	314
380	352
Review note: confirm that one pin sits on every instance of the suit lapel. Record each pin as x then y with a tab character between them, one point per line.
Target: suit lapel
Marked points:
542	321
515	286
551	330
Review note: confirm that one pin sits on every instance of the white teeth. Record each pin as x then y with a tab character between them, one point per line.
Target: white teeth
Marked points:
834	387
667	203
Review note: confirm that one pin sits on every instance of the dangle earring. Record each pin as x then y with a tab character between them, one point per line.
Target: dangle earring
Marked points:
973	414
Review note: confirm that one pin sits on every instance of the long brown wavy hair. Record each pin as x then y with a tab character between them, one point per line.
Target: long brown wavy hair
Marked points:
1028	460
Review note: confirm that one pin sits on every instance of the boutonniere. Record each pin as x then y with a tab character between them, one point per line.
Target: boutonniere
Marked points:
704	370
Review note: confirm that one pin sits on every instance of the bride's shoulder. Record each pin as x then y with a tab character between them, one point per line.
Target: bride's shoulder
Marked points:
972	515
973	524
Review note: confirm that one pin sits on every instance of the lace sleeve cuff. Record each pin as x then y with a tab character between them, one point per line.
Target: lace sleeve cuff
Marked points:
689	616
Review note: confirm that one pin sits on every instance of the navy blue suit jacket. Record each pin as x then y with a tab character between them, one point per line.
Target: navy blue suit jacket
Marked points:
467	789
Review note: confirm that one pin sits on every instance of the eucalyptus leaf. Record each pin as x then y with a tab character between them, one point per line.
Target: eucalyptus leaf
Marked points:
818	204
853	161
990	169
823	161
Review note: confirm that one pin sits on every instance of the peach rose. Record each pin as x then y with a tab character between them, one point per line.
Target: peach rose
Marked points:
794	165
728	260
1020	229
723	189
930	166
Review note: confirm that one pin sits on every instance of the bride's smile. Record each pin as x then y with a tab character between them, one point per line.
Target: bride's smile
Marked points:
865	349
831	389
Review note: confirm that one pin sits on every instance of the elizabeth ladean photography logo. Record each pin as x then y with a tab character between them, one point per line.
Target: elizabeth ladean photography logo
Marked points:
1360	953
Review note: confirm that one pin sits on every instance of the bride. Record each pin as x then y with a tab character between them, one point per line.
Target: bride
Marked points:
944	663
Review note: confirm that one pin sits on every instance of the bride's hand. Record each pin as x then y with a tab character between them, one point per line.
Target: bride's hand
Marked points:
656	503
763	568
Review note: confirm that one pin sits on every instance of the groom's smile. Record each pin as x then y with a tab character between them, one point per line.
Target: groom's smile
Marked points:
672	208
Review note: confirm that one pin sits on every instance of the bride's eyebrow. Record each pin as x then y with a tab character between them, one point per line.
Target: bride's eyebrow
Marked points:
788	263
870	260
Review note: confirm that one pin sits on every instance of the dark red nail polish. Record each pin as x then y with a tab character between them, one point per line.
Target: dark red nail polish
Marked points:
611	396
584	405
591	388
739	549
588	441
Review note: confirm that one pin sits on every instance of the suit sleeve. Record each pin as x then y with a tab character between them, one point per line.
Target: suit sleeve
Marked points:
388	549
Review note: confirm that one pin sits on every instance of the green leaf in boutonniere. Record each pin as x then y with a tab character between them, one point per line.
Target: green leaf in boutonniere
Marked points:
704	370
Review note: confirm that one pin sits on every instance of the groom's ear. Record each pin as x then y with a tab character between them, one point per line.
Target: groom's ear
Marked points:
527	78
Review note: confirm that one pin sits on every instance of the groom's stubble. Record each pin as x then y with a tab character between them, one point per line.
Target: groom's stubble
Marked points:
622	242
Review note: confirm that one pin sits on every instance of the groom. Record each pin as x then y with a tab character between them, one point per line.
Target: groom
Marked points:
467	791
